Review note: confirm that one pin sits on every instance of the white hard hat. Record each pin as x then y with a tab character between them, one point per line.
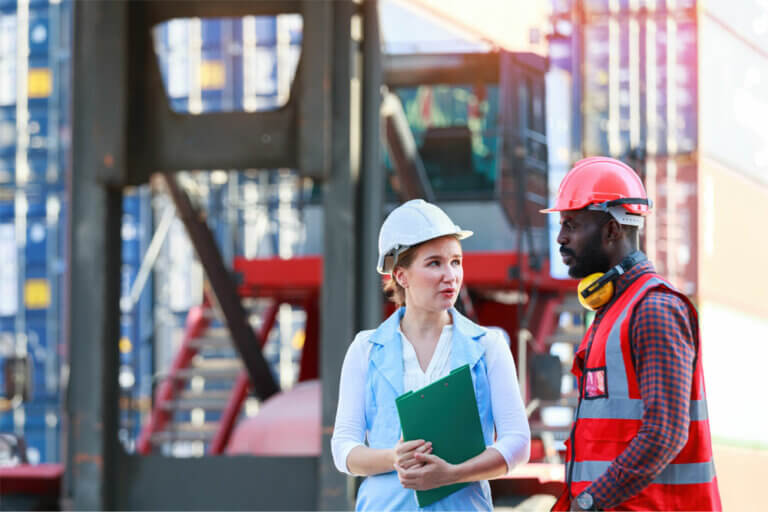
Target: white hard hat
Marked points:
409	224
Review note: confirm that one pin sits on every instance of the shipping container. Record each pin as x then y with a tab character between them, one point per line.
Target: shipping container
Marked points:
33	218
136	322
30	317
639	81
677	89
634	68
734	97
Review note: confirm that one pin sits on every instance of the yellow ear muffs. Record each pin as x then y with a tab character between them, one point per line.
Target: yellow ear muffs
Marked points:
594	293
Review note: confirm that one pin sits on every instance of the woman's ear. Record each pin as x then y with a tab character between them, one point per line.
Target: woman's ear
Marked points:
398	274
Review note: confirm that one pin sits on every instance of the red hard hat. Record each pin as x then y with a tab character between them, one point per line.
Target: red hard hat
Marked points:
604	182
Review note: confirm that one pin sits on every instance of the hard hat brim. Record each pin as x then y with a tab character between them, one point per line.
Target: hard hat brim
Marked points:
460	235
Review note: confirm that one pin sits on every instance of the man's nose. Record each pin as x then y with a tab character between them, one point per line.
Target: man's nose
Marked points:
561	238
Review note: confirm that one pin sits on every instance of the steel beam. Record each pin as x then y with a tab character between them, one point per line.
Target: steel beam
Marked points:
93	276
296	135
314	109
225	291
164	10
339	305
457	68
153	482
372	176
164	140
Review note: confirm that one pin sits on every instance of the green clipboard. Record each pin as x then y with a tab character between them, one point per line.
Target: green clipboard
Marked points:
445	413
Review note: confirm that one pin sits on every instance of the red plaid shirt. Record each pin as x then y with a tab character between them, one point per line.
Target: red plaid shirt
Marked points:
662	340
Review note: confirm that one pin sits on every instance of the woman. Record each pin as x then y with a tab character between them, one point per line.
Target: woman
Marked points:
421	342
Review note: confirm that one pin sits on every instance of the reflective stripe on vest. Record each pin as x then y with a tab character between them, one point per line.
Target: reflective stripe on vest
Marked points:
630	409
617	382
694	473
618	404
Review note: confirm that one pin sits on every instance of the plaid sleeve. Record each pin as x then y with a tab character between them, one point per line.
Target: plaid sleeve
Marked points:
663	348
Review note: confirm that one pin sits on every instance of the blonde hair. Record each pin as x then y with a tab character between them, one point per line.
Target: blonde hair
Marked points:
392	289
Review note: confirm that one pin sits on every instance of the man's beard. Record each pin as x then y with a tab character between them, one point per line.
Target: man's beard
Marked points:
592	259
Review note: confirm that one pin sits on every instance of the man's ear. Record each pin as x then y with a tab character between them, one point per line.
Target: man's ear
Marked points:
612	231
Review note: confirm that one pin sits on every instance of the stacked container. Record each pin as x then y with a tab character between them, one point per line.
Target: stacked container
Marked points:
34	64
677	89
136	336
634	64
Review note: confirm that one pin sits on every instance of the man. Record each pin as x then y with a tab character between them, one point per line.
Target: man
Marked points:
640	438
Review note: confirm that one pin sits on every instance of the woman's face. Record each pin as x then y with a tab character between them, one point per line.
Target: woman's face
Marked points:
433	279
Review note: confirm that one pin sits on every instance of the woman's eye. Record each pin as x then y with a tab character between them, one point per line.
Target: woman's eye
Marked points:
456	263
434	263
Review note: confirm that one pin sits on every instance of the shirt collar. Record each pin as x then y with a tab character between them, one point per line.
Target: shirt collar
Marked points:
391	326
387	354
628	277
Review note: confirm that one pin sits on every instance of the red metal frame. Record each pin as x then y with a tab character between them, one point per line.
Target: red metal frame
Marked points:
294	280
32	480
197	322
290	281
240	390
491	270
298	281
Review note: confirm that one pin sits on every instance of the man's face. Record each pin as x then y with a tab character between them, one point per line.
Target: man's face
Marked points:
581	243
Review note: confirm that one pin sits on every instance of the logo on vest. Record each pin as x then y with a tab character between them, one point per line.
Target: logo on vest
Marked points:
594	383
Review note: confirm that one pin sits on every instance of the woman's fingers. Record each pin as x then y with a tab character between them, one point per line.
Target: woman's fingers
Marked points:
407	476
425	448
411	463
408	446
406	458
405	453
428	457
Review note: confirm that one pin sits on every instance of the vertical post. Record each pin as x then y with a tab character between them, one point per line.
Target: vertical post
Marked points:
53	314
313	152
339	305
93	281
577	67
371	177
20	193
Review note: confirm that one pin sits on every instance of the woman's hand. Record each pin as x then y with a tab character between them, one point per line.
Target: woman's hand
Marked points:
405	453
430	471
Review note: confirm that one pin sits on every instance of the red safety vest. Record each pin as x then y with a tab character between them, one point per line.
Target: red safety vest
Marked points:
611	410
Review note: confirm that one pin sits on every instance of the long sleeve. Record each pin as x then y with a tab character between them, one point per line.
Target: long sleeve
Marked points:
662	343
349	427
513	435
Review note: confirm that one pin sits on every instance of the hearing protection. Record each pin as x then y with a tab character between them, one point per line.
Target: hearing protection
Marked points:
596	290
